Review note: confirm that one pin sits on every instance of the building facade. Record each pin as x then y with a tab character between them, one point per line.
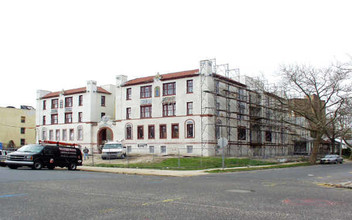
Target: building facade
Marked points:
183	113
17	126
79	115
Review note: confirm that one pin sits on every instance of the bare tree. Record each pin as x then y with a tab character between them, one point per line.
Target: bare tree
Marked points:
324	92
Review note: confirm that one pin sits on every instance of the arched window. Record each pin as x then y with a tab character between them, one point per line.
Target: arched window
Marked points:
80	133
190	128
128	133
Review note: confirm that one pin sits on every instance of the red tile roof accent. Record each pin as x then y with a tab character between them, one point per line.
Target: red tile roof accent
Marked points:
168	76
73	91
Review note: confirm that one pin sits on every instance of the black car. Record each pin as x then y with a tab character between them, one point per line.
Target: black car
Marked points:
38	156
331	158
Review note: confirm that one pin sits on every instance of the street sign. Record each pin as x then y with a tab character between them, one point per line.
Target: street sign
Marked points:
222	142
0	146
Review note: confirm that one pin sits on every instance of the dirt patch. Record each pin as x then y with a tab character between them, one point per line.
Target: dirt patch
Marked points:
131	159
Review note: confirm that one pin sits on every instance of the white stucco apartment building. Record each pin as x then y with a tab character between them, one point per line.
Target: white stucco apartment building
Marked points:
75	115
176	113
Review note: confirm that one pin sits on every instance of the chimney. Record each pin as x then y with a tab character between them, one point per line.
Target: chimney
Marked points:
121	80
91	86
206	67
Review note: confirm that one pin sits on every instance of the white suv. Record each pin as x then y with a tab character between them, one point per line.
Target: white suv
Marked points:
113	150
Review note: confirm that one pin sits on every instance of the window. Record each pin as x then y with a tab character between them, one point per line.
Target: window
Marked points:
146	111
44	120
57	134
64	135
102	114
241	95
23	119
241	133
68	117
217	129
23	141
189	108
51	135
23	130
80	116
189	149
174	131
169	89
72	135
189	129
79	133
169	109
54	103
44	104
54	119
68	102
128	132
80	100
163	149
128	94
162	131
128	113
189	86
44	135
151	149
241	110
268	136
217	87
102	101
151	131
217	108
140	132
146	92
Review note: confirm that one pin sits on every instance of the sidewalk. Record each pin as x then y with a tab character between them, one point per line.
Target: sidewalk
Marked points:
156	172
174	173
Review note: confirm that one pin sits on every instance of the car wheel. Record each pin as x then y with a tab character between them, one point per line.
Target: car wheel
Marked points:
37	165
72	166
12	167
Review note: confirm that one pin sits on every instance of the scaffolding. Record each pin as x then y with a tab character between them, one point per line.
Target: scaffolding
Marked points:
248	112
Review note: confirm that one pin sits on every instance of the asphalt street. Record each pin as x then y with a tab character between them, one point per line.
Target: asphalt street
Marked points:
289	193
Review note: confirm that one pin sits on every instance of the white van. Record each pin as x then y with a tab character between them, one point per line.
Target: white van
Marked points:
113	150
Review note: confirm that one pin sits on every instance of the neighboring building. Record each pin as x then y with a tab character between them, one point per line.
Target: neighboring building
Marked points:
17	126
79	115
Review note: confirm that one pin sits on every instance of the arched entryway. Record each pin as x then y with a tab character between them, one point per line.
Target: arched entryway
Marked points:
104	135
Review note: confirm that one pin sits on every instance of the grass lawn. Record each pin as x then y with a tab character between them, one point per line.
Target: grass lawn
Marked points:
192	163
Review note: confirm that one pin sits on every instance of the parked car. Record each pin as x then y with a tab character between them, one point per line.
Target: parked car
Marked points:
331	158
113	150
38	156
3	154
2	158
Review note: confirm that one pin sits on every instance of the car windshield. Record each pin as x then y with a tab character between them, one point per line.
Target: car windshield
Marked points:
112	146
32	148
330	156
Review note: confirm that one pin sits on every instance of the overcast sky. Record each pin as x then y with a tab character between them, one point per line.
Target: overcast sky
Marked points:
55	45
